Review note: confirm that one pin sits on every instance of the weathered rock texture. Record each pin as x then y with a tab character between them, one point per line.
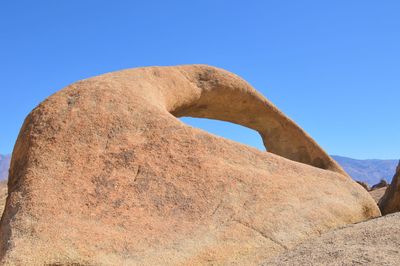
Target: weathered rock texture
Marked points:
374	243
390	202
104	173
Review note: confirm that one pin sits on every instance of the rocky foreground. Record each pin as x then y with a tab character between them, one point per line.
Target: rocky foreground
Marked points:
374	242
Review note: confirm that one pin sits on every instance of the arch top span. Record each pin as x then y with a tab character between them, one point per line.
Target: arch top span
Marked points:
208	92
224	96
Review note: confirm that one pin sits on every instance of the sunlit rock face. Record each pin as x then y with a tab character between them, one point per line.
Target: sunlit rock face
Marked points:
103	173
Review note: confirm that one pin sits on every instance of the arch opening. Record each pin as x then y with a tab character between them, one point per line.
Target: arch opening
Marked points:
227	130
207	92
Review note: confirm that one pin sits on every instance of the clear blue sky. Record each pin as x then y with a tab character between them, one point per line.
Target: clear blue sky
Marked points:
332	66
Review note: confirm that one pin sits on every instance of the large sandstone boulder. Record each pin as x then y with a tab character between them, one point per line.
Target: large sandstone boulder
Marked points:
390	202
104	173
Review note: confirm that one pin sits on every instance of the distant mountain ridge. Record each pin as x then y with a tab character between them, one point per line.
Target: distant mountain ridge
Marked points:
4	165
369	171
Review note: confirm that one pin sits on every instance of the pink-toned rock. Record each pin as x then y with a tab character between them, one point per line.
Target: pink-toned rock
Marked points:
390	202
103	173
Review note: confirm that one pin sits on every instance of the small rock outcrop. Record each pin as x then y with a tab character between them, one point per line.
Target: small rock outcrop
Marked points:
390	202
103	173
382	184
364	185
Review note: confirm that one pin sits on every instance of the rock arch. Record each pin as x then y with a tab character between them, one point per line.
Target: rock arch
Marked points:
217	94
104	173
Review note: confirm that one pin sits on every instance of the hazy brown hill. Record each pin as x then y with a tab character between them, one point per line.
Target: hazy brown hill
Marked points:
369	171
4	165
